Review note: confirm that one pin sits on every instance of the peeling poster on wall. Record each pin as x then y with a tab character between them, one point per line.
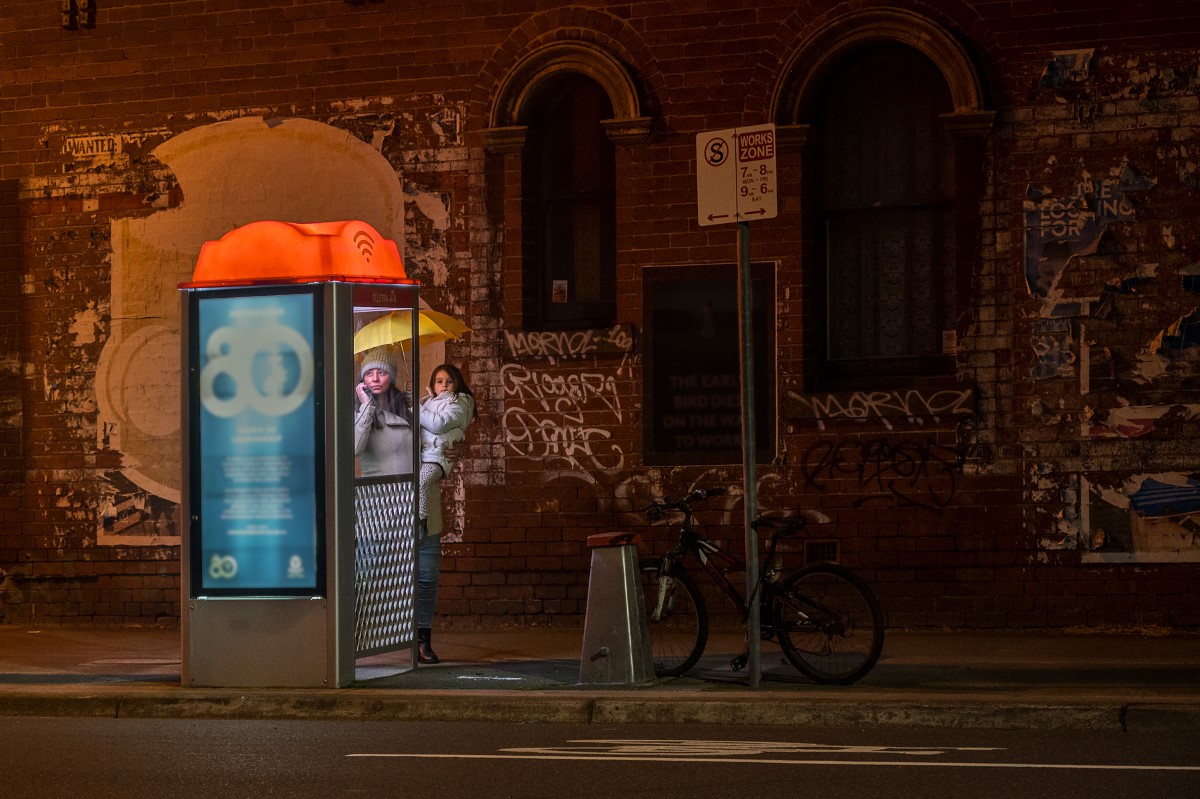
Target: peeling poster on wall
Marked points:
1151	518
1060	228
1054	345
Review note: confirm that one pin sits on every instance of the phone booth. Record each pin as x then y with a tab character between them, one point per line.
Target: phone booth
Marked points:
298	555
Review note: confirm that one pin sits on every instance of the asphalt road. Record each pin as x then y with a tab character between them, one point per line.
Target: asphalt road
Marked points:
49	758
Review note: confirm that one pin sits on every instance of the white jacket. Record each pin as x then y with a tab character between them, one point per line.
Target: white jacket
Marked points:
386	450
444	420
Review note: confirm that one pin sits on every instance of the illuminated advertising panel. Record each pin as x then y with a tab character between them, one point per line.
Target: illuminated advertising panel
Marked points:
257	443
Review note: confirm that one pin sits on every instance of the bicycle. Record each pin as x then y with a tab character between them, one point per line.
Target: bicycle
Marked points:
824	617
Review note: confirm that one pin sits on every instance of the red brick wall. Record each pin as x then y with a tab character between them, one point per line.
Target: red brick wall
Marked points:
986	519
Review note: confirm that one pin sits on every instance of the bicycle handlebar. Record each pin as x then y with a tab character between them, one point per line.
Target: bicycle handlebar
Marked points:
659	507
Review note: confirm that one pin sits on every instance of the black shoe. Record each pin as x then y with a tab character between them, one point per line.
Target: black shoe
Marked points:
426	655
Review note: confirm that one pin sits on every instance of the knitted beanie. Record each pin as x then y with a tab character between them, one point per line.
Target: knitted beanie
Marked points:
377	358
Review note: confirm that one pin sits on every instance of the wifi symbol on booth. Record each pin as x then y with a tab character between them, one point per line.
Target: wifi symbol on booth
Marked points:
365	244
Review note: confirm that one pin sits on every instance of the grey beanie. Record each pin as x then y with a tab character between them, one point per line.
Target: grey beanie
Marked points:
377	358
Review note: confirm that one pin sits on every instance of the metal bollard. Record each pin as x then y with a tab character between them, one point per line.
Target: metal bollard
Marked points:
616	640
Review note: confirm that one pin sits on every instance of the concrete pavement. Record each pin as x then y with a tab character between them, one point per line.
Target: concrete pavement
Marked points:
1137	681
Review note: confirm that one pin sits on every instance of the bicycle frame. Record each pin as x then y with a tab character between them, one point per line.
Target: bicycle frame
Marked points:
715	560
718	562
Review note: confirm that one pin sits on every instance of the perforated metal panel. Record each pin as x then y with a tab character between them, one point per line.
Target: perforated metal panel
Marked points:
385	573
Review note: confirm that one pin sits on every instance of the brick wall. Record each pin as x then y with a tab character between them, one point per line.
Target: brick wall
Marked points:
1041	503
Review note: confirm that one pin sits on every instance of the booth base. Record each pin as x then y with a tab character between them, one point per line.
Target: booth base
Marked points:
256	643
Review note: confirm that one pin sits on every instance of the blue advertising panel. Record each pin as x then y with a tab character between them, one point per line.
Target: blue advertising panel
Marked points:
258	445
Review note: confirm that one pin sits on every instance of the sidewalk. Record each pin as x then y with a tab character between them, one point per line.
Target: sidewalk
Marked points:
1089	680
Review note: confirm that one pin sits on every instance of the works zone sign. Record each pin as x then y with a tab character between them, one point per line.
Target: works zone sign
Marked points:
735	175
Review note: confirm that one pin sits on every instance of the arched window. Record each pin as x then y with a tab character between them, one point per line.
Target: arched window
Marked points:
569	208
885	232
886	108
563	119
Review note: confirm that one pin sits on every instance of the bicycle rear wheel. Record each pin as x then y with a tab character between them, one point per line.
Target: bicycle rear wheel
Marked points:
678	619
829	624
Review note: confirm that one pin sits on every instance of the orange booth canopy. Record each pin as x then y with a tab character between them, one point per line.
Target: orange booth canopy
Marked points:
289	252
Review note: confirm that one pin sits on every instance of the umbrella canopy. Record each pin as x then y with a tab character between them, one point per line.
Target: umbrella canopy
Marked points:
396	330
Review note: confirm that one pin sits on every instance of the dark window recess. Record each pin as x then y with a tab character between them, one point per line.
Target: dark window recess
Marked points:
570	210
691	365
887	197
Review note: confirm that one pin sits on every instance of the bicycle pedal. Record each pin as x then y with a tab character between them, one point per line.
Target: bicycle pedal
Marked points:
738	663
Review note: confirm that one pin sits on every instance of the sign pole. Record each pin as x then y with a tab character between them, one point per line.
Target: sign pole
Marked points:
735	181
749	452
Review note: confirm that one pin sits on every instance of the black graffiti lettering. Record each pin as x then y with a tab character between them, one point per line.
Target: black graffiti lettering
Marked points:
908	474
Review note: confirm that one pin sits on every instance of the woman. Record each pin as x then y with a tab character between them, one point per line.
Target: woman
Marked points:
383	441
383	434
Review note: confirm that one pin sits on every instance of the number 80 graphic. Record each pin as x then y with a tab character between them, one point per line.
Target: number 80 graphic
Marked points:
232	352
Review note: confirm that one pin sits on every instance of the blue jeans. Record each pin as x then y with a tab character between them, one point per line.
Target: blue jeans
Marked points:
429	569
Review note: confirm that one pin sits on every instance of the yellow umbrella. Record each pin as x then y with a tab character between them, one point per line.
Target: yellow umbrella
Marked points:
396	330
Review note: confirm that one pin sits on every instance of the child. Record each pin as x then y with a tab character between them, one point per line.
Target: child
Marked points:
448	407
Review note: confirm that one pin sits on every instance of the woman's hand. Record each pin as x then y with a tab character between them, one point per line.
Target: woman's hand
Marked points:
452	452
364	396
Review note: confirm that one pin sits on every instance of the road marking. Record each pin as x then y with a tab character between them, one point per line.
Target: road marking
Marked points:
724	749
786	762
723	752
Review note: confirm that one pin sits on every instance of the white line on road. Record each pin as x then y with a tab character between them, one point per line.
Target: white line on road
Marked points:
786	762
687	747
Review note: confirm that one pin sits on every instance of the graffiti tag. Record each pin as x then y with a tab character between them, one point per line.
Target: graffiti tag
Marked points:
912	405
908	474
570	343
546	417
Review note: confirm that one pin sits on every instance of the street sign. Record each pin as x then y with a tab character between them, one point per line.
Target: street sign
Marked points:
716	177
735	175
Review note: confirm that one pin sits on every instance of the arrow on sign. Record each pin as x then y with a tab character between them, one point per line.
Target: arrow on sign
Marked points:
735	174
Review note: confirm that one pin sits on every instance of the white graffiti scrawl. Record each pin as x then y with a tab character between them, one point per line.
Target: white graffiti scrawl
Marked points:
912	405
555	418
569	343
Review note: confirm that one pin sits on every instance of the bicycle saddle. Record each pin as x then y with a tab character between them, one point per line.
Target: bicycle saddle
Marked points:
783	523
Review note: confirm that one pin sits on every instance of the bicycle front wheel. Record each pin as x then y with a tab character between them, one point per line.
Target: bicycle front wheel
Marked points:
829	624
678	619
